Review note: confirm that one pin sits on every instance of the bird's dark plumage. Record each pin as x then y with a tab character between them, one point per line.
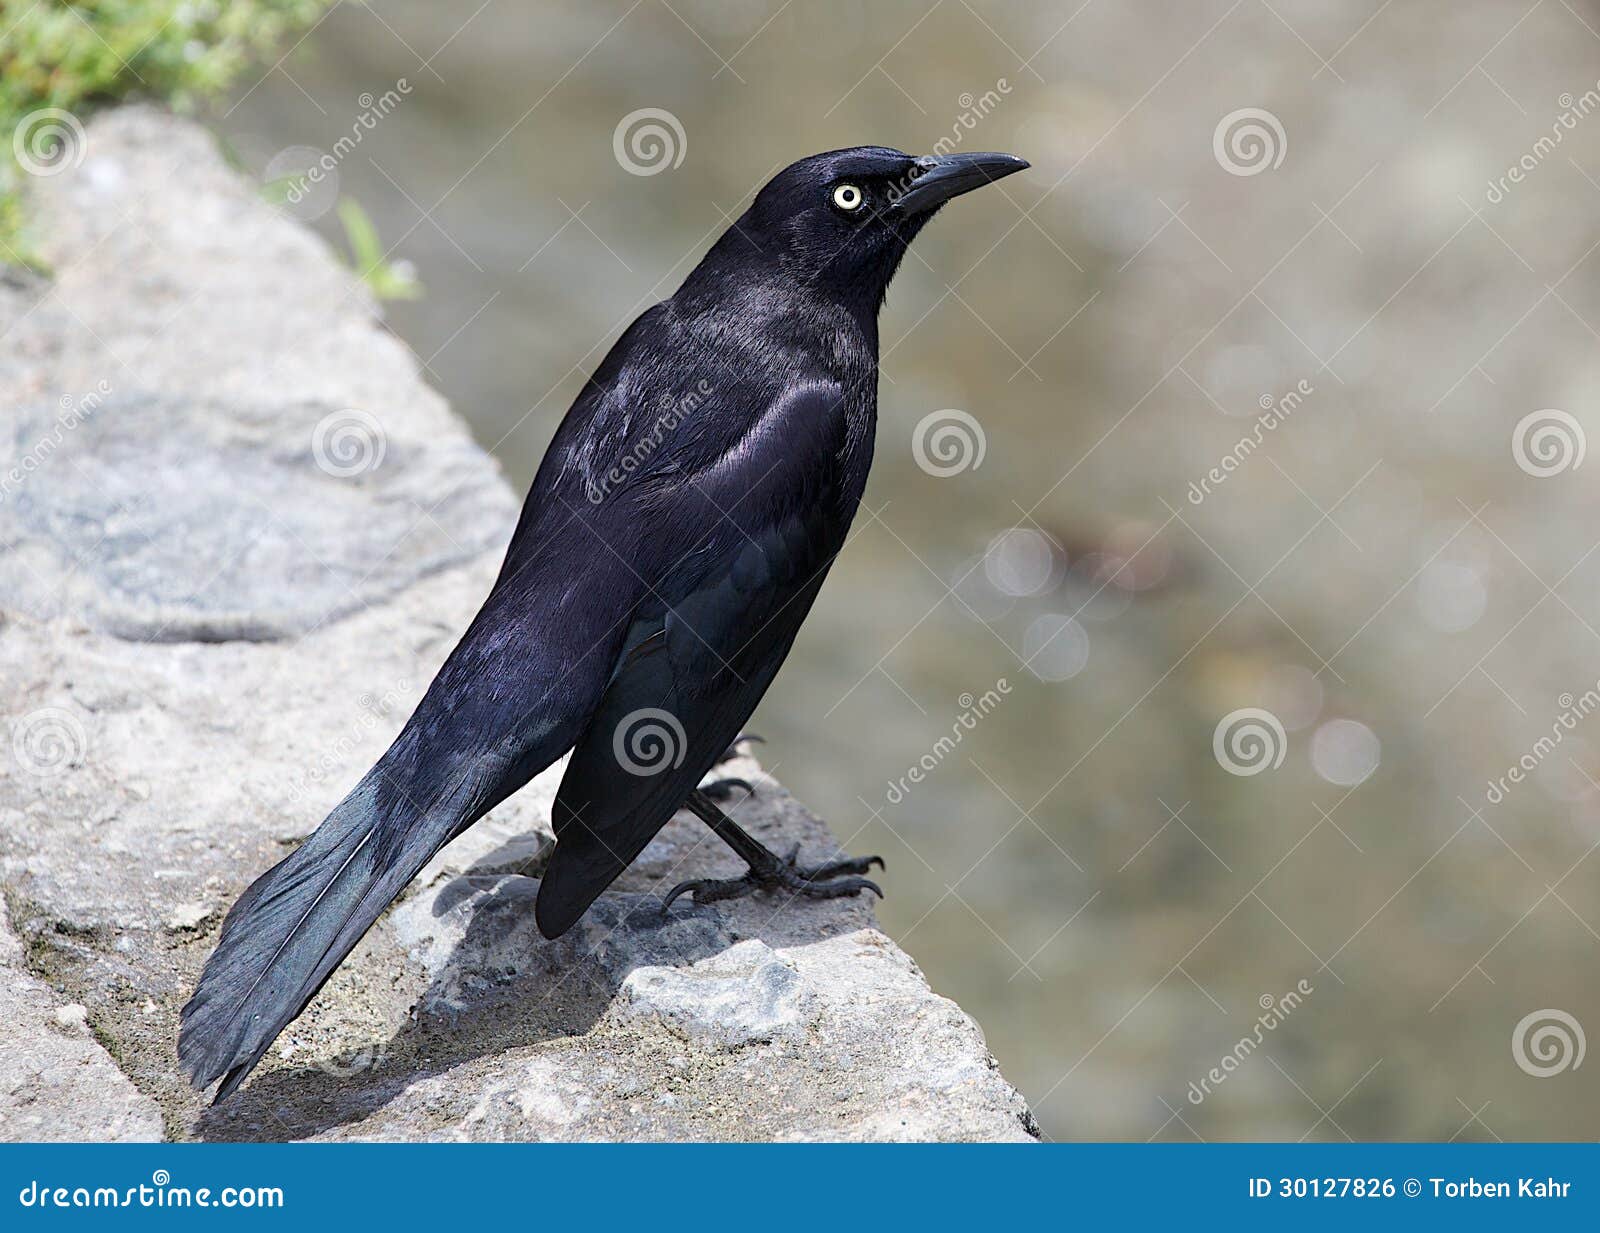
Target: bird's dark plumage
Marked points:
674	539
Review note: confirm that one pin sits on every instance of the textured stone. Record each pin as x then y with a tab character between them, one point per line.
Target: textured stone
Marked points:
56	1082
206	636
170	518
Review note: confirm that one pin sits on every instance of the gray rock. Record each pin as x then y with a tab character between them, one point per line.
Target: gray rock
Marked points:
56	1082
208	634
170	518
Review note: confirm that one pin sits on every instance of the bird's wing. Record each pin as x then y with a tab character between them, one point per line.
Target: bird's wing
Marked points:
698	656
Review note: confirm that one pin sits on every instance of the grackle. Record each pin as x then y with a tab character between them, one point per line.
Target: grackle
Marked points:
678	530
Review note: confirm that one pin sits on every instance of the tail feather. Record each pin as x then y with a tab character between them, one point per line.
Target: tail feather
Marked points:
286	934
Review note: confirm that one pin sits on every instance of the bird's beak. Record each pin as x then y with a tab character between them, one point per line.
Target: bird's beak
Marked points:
935	178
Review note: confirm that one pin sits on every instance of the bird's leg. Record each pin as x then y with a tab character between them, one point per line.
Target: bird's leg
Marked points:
769	871
722	789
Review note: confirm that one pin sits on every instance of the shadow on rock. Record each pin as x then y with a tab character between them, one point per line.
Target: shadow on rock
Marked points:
497	986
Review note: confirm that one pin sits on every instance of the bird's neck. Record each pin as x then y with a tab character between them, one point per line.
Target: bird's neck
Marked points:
768	287
764	323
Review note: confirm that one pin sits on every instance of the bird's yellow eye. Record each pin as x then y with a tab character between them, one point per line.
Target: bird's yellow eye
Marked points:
847	197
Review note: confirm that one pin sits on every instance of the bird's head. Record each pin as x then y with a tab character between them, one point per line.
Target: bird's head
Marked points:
840	222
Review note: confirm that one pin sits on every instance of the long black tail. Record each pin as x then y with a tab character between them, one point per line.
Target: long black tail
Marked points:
297	922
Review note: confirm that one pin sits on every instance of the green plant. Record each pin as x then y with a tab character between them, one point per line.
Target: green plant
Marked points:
387	280
76	57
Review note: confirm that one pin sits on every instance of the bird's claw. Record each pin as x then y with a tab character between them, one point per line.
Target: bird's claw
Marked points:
722	789
850	865
831	880
732	751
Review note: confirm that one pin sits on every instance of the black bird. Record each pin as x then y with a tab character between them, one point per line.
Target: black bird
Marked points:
677	532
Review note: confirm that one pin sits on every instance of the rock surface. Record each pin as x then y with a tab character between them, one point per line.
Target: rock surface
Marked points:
238	534
56	1081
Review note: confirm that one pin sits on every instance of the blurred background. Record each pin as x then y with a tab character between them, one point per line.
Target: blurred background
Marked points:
1263	392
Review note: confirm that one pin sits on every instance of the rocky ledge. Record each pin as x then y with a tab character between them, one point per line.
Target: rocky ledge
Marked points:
238	534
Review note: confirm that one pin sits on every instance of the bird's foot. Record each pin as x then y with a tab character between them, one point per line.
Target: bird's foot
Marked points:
831	880
733	751
721	790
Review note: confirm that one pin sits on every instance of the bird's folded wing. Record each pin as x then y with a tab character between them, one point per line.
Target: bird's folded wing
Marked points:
700	654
